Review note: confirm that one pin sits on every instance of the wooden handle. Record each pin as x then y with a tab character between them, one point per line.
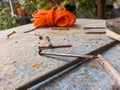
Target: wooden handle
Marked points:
109	68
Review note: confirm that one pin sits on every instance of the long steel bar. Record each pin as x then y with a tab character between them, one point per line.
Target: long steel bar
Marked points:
68	55
64	67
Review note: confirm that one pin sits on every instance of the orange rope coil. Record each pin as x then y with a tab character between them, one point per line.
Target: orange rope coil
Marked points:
54	17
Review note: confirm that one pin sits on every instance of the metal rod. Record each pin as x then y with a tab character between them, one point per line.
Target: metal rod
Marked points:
109	68
87	27
94	27
57	46
64	67
30	30
95	32
59	28
68	55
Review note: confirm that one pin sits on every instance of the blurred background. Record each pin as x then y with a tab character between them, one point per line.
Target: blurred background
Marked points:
18	12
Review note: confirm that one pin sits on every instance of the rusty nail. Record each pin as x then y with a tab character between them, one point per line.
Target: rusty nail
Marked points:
8	36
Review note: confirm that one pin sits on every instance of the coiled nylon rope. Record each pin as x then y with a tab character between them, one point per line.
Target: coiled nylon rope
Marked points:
54	17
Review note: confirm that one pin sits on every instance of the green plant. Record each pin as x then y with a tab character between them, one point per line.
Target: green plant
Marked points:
86	6
82	6
31	6
6	20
